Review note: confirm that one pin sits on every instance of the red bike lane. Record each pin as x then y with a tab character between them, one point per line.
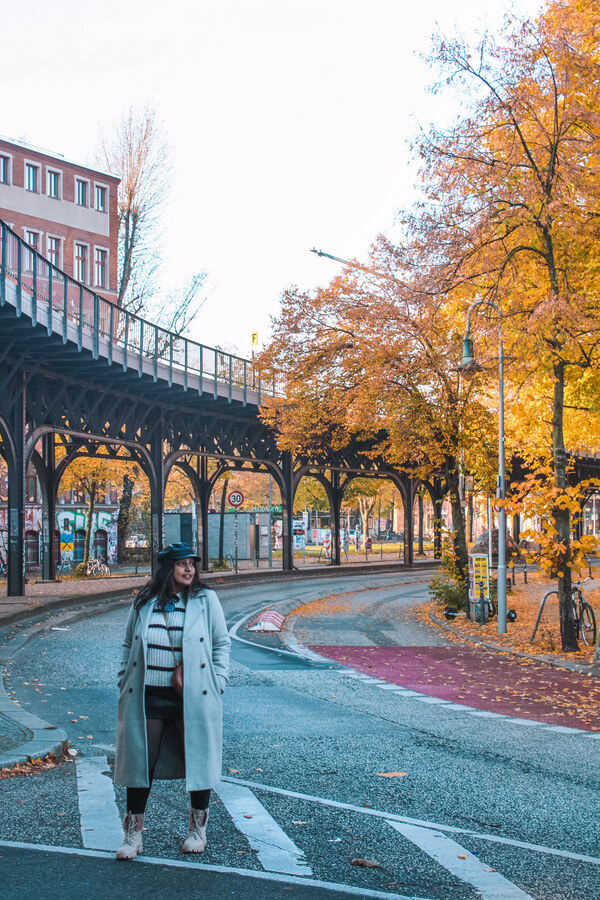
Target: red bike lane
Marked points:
495	682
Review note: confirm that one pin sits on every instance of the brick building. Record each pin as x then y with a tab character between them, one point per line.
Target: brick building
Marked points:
67	211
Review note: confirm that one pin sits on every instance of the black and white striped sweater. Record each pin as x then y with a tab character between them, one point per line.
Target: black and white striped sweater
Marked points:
161	660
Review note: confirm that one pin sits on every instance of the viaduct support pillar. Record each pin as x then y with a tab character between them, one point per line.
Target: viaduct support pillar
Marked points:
408	523
16	497
205	491
437	528
157	492
48	486
287	511
420	499
336	513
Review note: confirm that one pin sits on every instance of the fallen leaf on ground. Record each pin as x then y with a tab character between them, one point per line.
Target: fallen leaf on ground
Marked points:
366	863
391	774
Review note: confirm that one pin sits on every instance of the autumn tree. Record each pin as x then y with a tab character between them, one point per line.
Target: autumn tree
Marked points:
510	213
372	360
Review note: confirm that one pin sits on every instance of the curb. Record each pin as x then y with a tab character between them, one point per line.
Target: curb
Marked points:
34	609
45	738
519	654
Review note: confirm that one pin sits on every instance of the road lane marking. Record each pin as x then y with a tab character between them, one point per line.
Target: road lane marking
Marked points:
461	707
100	822
460	863
222	870
276	851
436	826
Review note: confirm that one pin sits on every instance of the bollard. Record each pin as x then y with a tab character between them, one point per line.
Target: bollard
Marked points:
525	572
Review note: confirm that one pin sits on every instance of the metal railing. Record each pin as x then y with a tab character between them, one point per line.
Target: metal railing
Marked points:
32	285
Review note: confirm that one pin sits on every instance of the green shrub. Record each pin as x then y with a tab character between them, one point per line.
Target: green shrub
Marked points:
80	571
448	593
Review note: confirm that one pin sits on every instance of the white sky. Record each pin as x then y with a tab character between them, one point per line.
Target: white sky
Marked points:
287	119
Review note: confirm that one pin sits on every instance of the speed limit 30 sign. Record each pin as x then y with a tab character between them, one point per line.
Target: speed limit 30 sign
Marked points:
235	498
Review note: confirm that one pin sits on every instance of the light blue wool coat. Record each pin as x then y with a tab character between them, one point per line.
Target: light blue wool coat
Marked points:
206	647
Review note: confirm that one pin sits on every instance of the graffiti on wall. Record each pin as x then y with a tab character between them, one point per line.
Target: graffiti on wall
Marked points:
67	521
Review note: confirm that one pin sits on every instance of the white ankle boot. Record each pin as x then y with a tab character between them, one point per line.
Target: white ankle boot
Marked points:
195	842
132	836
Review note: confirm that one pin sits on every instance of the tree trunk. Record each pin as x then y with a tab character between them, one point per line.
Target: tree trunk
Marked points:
222	518
88	525
461	557
365	506
123	517
562	517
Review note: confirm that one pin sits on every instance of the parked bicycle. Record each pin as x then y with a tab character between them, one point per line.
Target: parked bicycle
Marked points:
97	566
583	614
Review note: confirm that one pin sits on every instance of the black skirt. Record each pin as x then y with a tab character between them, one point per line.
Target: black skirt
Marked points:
163	703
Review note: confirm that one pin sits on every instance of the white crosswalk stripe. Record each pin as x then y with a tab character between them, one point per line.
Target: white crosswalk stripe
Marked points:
99	816
276	851
460	863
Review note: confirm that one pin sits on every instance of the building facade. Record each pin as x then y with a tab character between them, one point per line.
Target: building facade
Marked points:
67	212
70	525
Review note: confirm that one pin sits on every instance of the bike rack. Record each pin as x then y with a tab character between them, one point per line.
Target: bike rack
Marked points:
540	613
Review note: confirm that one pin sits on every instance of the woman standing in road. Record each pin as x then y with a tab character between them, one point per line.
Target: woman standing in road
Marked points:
161	732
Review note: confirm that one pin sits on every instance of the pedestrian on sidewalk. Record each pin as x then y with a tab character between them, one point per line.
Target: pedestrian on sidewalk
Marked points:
169	722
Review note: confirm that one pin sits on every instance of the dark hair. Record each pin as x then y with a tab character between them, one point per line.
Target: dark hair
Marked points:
162	587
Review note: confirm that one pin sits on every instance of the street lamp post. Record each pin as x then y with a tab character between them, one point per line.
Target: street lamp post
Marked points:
469	364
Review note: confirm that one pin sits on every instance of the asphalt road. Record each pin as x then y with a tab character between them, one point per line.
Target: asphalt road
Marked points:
320	769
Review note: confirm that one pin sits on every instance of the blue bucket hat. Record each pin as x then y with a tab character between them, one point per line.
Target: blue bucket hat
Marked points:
179	550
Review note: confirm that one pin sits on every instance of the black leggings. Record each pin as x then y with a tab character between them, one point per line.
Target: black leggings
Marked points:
138	797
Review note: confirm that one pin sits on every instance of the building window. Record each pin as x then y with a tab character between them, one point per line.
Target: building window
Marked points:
81	261
53	184
32	549
33	239
54	251
100	267
4	170
31	178
81	192
100	198
32	487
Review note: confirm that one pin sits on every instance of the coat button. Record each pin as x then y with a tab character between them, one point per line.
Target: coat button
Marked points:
201	638
131	690
203	666
205	692
137	637
135	664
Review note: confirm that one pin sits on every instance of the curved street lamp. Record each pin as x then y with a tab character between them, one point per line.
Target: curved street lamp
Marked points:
469	366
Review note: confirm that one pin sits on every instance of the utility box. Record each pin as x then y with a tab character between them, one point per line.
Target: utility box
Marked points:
253	535
179	526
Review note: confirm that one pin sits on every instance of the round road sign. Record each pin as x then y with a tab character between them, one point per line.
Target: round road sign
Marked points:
235	498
